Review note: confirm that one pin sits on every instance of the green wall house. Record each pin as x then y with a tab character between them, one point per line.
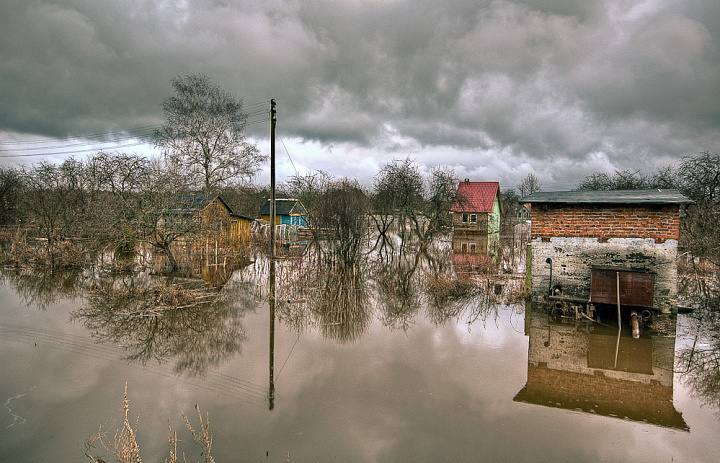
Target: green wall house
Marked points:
476	218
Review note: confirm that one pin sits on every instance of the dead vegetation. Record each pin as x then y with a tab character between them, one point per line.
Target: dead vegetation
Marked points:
124	447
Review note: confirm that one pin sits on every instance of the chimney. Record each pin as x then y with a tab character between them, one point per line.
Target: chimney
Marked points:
467	180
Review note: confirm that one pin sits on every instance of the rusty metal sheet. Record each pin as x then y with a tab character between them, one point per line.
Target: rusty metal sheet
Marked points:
637	287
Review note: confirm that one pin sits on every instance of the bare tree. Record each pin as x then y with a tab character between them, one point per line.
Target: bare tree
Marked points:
700	180
442	189
620	180
342	210
399	191
700	177
165	217
203	134
308	188
529	185
10	193
54	202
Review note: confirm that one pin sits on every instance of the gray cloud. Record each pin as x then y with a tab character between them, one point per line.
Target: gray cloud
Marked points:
546	85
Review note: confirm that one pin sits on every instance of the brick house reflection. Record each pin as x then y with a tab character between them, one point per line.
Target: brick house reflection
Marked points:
591	369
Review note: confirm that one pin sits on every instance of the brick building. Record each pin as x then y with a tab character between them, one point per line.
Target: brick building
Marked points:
574	231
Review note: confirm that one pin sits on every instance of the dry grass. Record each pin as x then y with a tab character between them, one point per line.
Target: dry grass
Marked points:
203	437
124	446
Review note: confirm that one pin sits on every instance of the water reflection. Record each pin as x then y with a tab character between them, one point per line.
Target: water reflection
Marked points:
271	347
398	289
43	289
187	320
592	368
698	363
320	289
184	320
324	290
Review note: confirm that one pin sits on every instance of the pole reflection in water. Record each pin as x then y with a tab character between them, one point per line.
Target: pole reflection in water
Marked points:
584	367
271	303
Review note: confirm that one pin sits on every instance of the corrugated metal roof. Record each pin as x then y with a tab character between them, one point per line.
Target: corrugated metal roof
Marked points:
656	196
196	202
284	206
475	196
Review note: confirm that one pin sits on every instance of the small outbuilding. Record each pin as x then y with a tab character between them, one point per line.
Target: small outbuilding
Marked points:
287	212
212	218
581	236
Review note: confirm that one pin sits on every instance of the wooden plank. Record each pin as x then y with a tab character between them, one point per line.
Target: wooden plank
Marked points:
637	287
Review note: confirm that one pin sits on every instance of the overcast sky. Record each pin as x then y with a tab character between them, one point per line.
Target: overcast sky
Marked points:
494	89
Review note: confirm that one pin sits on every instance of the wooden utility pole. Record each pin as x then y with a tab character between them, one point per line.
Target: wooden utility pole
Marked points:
271	296
273	121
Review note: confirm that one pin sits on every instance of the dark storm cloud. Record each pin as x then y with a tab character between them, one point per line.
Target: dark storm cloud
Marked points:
542	82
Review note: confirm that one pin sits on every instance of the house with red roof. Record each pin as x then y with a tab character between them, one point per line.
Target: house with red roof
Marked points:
476	218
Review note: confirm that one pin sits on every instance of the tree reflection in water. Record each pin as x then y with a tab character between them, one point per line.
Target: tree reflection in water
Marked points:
428	278
325	289
698	364
45	288
322	289
188	320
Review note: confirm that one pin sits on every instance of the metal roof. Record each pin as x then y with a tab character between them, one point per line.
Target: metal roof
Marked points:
285	206
196	202
476	196
656	196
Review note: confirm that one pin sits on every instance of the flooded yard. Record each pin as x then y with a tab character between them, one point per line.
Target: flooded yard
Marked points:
379	372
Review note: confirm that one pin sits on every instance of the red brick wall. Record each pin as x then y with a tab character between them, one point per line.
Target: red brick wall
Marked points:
651	402
660	222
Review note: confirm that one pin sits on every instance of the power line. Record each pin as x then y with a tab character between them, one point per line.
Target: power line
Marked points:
98	136
258	121
62	153
253	109
62	146
53	148
288	155
256	104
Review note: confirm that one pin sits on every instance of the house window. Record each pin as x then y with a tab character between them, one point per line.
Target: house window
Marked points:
473	248
465	217
463	247
473	218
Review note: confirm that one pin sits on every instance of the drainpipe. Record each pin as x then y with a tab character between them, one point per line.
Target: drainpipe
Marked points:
549	262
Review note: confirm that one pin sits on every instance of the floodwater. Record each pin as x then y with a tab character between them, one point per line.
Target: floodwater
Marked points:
355	377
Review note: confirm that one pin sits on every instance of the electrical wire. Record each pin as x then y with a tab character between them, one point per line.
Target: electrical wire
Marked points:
46	148
288	155
148	129
63	153
287	358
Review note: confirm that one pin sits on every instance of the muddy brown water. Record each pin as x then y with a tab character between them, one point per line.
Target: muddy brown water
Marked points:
501	387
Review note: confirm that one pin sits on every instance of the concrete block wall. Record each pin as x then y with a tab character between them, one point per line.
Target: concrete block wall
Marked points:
573	258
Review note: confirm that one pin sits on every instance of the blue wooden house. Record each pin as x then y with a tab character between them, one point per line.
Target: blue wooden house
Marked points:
287	212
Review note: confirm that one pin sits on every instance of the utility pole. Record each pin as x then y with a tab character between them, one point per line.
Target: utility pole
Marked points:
273	121
271	296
